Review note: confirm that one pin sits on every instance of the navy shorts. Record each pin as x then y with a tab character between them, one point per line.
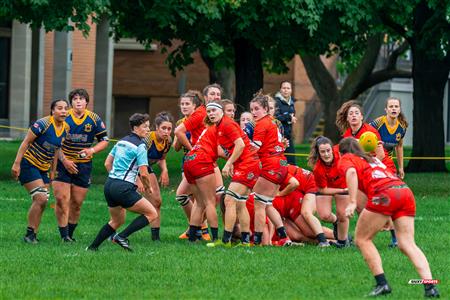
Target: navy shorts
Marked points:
82	179
29	173
120	193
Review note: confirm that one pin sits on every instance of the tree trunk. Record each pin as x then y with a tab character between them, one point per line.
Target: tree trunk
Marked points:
430	76
224	76
248	71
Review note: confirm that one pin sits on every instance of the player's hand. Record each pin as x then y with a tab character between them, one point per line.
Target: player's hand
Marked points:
149	190
401	173
293	119
86	153
227	170
70	166
164	178
350	210
140	187
15	170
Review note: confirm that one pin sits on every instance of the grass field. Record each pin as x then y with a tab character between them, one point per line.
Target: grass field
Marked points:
174	269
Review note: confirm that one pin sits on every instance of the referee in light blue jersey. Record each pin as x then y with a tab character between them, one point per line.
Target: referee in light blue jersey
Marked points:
126	161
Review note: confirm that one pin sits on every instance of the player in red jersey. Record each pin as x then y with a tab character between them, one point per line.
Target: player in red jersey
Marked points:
324	159
268	139
388	197
199	167
243	168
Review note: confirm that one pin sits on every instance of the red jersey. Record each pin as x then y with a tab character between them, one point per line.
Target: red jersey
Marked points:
364	128
329	175
372	178
228	131
268	137
305	178
195	123
206	144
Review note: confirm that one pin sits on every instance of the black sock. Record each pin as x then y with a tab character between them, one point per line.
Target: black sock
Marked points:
335	229
321	238
214	233
155	234
72	229
30	231
342	242
102	235
257	238
226	236
192	233
245	237
281	231
380	279
64	231
393	236
137	224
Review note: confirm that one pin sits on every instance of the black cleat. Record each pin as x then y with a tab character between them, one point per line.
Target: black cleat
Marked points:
67	239
30	239
90	248
432	293
122	242
380	290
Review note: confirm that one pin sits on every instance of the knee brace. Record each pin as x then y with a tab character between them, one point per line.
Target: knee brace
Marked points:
263	199
182	199
40	190
236	196
220	190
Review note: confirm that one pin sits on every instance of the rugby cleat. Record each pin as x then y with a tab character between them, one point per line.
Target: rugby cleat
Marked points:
89	248
122	242
30	239
432	293
67	239
323	244
242	245
184	236
380	290
205	234
219	243
285	242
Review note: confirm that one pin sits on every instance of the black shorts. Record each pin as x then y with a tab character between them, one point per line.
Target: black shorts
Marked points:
150	169
120	193
29	173
82	179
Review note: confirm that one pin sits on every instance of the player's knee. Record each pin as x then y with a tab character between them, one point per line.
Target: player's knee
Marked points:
116	223
40	195
263	199
328	216
220	190
183	200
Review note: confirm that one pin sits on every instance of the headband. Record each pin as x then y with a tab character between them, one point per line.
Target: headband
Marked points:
215	105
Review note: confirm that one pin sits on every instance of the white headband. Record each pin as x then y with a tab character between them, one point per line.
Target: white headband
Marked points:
214	104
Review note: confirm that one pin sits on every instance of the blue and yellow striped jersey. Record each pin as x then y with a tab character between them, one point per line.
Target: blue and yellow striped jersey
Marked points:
42	151
156	150
188	133
391	136
82	133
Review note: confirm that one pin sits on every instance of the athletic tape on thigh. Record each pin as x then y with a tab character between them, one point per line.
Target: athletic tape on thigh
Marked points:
182	199
220	190
39	190
264	199
236	196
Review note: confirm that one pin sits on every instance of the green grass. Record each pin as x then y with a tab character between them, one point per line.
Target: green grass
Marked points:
173	269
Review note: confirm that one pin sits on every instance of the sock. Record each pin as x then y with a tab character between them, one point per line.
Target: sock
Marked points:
205	230
257	239
155	234
245	237
137	224
102	235
30	231
393	236
380	279
342	242
214	233
72	229
335	229
198	232
64	231
226	236
192	230
428	286
321	238
281	231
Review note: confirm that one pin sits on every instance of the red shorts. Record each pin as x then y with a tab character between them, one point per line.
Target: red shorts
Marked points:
394	201
274	169
289	206
197	166
246	173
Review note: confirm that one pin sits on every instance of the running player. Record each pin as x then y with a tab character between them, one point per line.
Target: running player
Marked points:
324	159
75	164
242	166
388	197
37	153
125	162
392	128
158	143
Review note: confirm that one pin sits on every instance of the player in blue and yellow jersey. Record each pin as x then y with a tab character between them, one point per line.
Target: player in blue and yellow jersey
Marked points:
74	166
36	155
392	128
125	163
158	143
